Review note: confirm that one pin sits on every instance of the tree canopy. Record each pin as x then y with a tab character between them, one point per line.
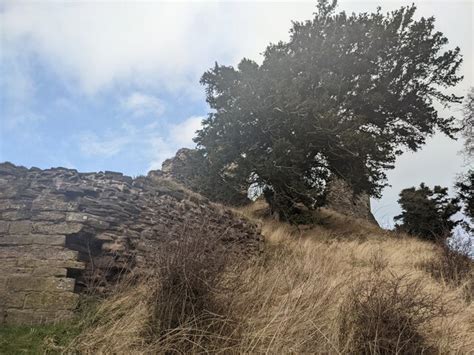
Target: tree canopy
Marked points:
427	213
343	97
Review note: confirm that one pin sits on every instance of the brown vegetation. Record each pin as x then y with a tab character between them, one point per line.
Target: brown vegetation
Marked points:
343	287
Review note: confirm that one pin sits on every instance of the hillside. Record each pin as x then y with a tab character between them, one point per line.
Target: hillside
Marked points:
344	286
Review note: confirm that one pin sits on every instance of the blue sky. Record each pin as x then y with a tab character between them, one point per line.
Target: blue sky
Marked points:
114	85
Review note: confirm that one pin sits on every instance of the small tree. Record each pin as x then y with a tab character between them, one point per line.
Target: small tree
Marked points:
427	213
465	193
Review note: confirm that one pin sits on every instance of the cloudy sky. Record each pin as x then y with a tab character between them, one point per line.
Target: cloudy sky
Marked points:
113	85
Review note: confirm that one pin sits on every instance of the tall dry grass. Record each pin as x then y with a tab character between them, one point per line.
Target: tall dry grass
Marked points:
344	286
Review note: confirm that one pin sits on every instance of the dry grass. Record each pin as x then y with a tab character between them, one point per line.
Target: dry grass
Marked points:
312	291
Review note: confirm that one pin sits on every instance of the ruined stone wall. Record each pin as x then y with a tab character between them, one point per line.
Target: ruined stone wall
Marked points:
341	198
63	232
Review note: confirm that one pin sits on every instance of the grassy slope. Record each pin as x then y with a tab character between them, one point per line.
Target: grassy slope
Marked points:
290	299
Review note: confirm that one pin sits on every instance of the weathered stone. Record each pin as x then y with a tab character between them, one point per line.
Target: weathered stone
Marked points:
52	263
28	283
7	205
56	228
20	227
53	205
341	198
48	216
33	239
12	300
105	236
16	215
37	253
87	219
50	271
4	227
51	301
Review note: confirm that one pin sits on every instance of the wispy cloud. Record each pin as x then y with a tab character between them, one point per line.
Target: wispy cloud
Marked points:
139	104
148	142
109	145
184	132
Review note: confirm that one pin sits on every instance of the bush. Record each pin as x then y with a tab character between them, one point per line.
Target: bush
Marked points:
384	316
454	265
188	272
186	312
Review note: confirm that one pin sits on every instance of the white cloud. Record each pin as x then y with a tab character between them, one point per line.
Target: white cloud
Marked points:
139	104
150	142
92	145
184	132
159	150
163	44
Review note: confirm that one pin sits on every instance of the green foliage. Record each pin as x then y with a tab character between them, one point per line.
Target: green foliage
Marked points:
427	213
465	193
342	97
191	168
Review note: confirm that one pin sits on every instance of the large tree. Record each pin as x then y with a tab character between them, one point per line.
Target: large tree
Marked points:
343	97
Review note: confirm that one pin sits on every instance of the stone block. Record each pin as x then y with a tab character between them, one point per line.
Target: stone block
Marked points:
16	215
33	239
12	300
48	216
20	227
87	219
3	281
49	271
107	237
51	301
48	204
51	263
29	283
16	270
29	253
10	205
4	227
57	228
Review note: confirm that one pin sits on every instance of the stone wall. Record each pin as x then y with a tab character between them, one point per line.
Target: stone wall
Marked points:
341	198
63	232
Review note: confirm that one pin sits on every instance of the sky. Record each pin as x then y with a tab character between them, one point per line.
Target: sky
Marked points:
114	85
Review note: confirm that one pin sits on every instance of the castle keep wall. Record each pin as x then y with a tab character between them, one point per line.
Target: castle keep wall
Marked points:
63	232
